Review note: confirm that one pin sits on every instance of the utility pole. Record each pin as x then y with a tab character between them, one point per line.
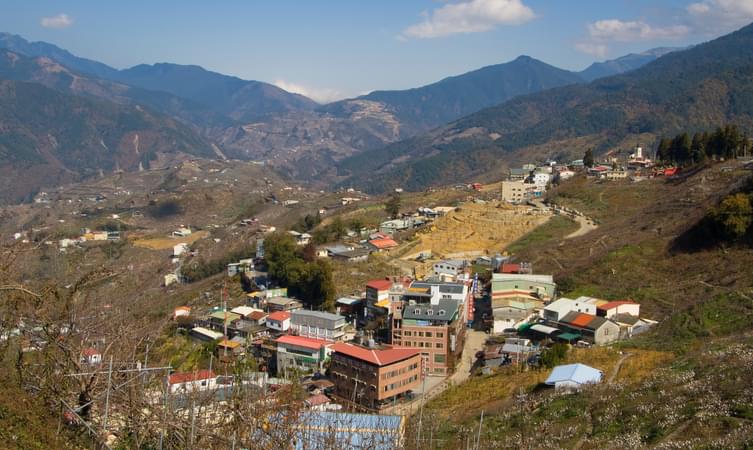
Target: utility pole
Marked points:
107	396
480	424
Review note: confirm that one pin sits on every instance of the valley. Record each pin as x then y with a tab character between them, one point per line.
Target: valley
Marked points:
518	256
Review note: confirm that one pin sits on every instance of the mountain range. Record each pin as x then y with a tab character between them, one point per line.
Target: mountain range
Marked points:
226	116
700	88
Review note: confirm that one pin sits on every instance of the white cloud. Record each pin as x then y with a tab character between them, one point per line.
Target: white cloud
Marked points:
320	95
720	16
58	21
593	49
469	16
602	32
635	30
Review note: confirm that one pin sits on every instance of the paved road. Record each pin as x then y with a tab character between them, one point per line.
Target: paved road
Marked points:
474	341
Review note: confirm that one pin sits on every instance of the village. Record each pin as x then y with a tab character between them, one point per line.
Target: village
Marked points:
398	340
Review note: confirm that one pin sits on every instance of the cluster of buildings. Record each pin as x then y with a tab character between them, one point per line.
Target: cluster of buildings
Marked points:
375	350
88	235
530	181
527	304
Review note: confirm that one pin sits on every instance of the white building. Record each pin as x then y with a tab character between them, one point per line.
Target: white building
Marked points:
300	238
541	179
560	308
317	325
179	249
278	321
186	382
182	232
449	269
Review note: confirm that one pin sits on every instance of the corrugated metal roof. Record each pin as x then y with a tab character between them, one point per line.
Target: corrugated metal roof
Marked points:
544	329
574	373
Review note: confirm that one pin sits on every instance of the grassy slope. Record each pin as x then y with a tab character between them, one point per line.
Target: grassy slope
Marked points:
687	383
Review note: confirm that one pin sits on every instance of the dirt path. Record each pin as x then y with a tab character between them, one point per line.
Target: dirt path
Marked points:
586	226
617	367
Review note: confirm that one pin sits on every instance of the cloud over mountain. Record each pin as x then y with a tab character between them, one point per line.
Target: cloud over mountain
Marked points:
470	16
58	21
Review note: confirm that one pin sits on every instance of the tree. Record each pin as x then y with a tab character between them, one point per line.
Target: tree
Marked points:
554	355
588	158
662	151
392	206
356	225
734	215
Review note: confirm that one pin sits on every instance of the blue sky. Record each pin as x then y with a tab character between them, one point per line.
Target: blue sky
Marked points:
338	48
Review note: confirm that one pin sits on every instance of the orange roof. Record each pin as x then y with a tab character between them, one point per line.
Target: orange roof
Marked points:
279	316
256	315
581	320
510	268
383	243
316	400
184	377
306	342
379	357
183	308
614	304
380	285
90	351
229	344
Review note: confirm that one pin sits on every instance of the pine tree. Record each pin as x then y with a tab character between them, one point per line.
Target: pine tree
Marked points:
392	206
588	158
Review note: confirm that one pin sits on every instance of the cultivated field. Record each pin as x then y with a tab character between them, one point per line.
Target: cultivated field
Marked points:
164	243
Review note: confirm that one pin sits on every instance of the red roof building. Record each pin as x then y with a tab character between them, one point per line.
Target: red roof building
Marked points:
317	400
380	285
391	373
300	341
187	377
258	315
279	316
510	268
383	244
618	307
378	357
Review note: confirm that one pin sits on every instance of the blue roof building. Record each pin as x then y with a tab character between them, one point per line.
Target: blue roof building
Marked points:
573	376
325	430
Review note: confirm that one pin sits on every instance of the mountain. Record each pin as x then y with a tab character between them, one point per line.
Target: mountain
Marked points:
429	106
624	64
18	44
700	88
48	137
238	99
46	71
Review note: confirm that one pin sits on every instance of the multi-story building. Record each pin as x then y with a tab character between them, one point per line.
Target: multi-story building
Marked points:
517	191
298	354
374	377
449	269
317	324
437	331
541	286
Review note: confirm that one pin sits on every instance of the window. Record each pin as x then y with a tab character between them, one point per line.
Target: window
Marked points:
416	311
428	334
439	335
430	312
440	345
438	358
442	312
